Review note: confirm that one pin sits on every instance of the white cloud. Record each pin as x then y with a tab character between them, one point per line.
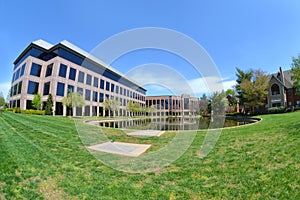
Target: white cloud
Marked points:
4	88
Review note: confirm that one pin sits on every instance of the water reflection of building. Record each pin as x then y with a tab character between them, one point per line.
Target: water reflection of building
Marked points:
173	105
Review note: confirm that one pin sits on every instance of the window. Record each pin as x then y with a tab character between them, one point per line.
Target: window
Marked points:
96	82
107	86
81	77
22	70
72	74
49	70
275	89
125	92
60	89
46	88
102	84
62	70
112	87
80	90
35	70
19	87
117	89
121	90
88	95
106	96
33	87
15	89
70	88
95	96
186	103
89	79
101	97
17	74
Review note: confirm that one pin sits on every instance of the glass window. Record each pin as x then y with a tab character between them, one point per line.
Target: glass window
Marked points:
70	87
121	90
46	88
88	95
89	79
112	87
15	89
19	87
72	74
96	80
60	89
17	74
117	89
95	96
107	86
22	70
49	70
102	84
33	87
81	77
101	97
106	96
125	92
80	90
13	78
35	70
62	70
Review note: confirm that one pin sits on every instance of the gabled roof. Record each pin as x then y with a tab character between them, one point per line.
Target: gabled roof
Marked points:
287	82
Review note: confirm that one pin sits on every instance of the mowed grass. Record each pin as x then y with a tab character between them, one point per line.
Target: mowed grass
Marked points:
42	157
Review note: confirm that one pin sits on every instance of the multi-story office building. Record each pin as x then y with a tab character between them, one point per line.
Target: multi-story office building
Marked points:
45	68
173	105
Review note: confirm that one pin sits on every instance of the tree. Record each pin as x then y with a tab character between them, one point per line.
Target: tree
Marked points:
255	90
241	76
130	107
49	105
112	105
37	101
73	100
296	74
217	103
2	100
203	104
231	97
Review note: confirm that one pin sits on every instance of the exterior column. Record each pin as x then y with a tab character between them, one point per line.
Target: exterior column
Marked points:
64	111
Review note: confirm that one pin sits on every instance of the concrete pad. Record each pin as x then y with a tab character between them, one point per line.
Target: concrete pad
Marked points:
146	133
121	148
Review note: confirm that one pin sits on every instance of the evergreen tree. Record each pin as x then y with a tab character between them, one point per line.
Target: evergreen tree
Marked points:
49	105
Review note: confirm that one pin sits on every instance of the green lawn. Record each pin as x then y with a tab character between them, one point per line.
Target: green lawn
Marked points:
42	157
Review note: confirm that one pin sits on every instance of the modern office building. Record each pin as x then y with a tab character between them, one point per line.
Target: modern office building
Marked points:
173	105
45	68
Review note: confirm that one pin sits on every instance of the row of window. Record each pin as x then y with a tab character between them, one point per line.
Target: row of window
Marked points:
19	73
16	89
36	71
89	95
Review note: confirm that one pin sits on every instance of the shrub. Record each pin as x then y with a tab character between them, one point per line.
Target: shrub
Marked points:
33	112
274	110
17	110
9	109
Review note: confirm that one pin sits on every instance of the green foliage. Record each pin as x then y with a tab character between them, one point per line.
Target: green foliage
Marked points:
231	97
217	103
111	105
16	110
241	76
255	90
203	104
37	101
296	74
274	110
2	100
9	109
49	105
33	112
73	100
134	107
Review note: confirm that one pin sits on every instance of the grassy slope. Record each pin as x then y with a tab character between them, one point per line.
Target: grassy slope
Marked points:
43	157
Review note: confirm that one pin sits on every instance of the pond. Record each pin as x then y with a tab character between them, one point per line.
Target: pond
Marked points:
173	123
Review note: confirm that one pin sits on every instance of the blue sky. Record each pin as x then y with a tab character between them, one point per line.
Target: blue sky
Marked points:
244	34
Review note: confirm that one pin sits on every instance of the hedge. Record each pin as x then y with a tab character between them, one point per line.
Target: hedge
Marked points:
34	112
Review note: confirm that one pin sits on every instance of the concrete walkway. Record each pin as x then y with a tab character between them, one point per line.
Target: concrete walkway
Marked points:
146	133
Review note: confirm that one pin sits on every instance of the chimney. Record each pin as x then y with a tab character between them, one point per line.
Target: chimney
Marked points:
281	75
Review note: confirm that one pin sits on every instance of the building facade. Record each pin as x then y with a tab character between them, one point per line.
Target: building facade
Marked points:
173	105
45	68
281	90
